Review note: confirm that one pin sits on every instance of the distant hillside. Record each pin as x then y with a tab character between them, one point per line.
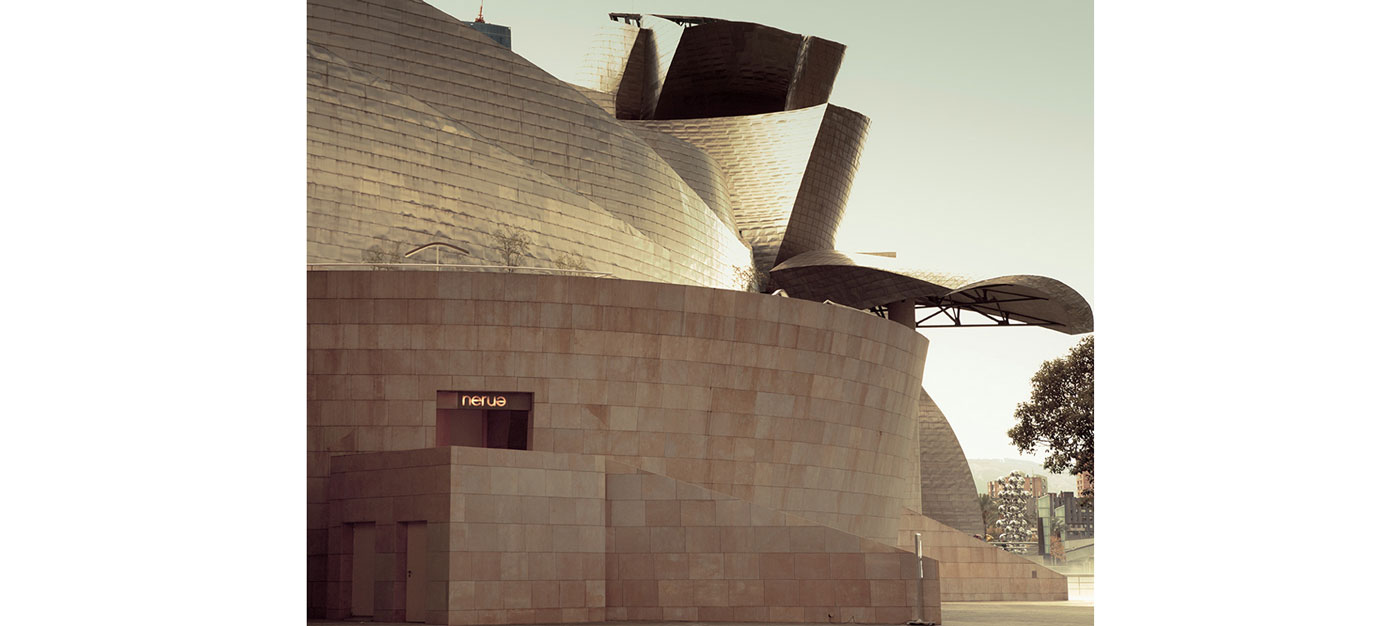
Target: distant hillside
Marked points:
987	470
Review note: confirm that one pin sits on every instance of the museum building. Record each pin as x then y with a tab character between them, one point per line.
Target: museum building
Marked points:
582	353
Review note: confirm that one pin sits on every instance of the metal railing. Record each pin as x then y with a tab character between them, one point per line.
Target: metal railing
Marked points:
453	267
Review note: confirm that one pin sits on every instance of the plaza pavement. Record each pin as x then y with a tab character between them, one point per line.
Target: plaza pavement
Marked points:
954	614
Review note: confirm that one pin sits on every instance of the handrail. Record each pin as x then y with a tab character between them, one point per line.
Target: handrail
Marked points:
458	267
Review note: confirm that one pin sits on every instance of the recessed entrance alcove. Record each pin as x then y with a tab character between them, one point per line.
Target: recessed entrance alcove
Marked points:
484	419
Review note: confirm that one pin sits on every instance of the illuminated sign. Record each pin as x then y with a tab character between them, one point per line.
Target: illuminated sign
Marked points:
473	401
499	400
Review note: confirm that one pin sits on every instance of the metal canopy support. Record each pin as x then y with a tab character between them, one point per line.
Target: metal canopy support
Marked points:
984	301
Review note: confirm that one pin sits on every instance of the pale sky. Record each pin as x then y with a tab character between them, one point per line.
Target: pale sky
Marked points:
979	158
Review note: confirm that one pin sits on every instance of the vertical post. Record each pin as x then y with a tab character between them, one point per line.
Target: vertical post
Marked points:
902	311
919	594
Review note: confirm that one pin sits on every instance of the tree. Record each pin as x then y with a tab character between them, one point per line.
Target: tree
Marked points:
1060	413
513	244
571	261
745	277
989	514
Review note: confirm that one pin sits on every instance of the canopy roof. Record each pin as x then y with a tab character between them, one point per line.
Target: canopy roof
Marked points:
866	281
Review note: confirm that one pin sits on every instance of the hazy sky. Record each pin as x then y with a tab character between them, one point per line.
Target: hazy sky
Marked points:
979	158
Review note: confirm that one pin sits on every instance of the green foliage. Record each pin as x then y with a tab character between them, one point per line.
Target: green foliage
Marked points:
1060	414
745	278
989	512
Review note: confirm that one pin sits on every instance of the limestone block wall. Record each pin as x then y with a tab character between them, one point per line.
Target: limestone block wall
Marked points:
677	551
428	56
514	537
971	570
386	491
794	405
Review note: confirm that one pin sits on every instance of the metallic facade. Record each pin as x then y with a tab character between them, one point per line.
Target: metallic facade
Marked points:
864	281
753	97
948	492
790	172
580	155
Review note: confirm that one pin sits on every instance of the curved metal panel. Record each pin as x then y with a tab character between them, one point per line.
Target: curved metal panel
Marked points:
729	68
948	491
696	167
386	172
606	59
466	78
826	183
817	65
665	37
765	158
865	281
790	173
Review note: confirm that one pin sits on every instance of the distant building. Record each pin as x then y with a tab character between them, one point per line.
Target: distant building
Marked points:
1083	483
498	33
1034	484
1078	515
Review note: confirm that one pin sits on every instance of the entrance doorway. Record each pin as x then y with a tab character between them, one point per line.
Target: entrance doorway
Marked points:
484	419
362	570
415	606
484	428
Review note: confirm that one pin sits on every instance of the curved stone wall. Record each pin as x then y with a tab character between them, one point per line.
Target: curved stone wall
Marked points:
477	86
797	406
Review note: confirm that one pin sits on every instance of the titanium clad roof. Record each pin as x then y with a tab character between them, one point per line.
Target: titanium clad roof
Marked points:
603	100
949	493
815	75
606	59
467	79
709	68
387	172
826	184
789	172
865	281
729	68
697	168
665	36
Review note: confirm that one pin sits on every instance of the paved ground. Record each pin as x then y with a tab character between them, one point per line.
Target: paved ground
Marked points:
1016	613
954	614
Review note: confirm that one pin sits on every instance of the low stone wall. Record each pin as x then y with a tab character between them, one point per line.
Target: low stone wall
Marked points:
514	537
677	551
973	570
523	537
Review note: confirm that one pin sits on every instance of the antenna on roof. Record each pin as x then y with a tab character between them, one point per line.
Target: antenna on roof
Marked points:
479	11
